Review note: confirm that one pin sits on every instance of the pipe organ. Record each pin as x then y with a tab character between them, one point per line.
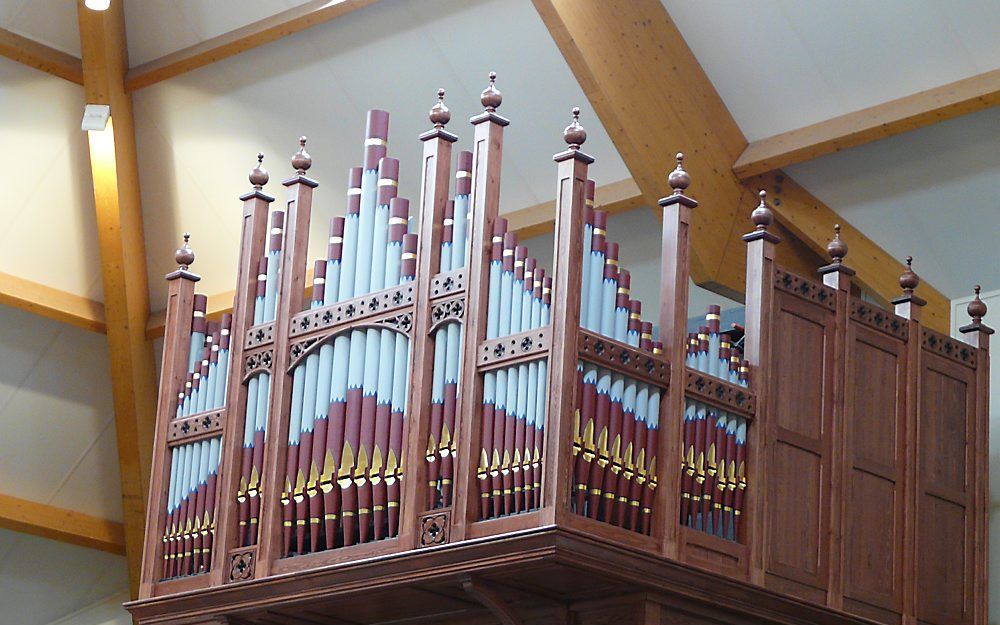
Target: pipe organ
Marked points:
425	423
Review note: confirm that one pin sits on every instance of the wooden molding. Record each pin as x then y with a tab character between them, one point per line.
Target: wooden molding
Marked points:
240	40
114	171
52	303
876	122
67	526
40	56
613	48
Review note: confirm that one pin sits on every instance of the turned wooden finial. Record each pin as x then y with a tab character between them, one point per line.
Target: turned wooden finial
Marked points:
185	255
977	307
762	217
679	179
908	279
440	115
836	248
491	97
301	160
574	134
258	175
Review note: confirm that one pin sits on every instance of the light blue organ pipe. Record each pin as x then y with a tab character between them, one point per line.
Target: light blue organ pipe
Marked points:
460	231
349	253
588	235
596	279
366	233
273	271
713	356
543	366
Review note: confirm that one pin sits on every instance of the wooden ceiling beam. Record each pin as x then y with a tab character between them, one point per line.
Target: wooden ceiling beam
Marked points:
876	122
67	526
653	98
52	303
240	40
114	171
40	56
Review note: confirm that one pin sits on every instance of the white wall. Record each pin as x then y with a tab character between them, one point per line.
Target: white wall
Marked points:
959	318
107	611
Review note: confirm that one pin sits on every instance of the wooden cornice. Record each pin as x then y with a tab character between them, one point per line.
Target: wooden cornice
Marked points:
613	49
876	122
68	526
114	171
240	40
40	56
52	303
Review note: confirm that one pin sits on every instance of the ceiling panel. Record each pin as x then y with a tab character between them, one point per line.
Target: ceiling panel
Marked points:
51	22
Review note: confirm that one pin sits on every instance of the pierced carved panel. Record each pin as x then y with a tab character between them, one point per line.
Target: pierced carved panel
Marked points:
879	319
348	311
448	282
443	311
434	528
623	358
241	563
959	351
515	347
719	393
806	289
196	427
402	323
258	362
259	335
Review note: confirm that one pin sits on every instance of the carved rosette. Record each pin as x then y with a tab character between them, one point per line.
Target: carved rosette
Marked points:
434	528
719	393
444	284
443	311
195	427
879	319
806	289
956	350
258	362
259	335
357	309
515	347
241	564
623	358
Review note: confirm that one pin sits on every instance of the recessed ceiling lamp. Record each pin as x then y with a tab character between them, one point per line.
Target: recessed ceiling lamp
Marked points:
97	5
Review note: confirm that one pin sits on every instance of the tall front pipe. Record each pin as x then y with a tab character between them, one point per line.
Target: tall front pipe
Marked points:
256	204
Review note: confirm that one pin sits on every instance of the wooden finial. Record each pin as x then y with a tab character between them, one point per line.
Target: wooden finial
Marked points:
301	160
491	97
440	115
258	175
184	254
908	279
679	180
574	134
762	217
836	248
977	307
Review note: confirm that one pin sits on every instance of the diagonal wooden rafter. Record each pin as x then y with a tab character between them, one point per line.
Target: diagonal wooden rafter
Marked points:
114	171
40	56
68	526
240	40
52	303
653	97
876	122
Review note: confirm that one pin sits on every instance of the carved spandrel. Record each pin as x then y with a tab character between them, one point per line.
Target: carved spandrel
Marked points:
352	310
402	323
259	361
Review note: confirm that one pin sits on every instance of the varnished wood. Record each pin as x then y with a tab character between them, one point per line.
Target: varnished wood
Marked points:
245	38
52	303
67	526
114	171
40	56
870	124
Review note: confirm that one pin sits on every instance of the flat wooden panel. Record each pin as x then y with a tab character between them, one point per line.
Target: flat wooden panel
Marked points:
795	520
873	394
943	432
798	392
942	581
873	529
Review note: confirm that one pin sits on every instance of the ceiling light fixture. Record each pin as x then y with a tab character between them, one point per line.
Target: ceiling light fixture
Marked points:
97	5
95	117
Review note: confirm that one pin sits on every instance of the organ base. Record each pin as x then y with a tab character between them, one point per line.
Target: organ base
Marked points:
546	575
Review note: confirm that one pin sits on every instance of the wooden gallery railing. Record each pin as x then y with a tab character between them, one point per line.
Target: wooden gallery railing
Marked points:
439	387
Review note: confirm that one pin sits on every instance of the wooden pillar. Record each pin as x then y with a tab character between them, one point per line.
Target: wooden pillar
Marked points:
674	277
486	159
435	172
176	346
977	334
256	205
910	307
291	290
571	185
838	276
117	201
757	350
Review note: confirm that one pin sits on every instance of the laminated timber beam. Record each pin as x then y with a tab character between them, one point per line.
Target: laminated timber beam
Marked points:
114	171
870	124
40	56
67	526
52	303
240	40
653	97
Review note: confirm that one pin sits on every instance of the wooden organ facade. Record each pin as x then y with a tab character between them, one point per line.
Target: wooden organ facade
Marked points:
432	427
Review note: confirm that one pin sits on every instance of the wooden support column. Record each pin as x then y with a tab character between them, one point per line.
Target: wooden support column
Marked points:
433	199
674	277
123	264
757	350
